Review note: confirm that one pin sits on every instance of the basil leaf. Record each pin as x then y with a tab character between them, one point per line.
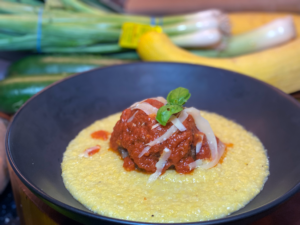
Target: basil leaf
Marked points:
179	96
165	112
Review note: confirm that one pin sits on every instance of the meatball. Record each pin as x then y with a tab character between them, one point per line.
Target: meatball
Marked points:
136	129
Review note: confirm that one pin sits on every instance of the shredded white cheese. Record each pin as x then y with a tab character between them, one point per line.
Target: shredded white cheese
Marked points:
177	123
132	117
160	99
204	127
154	126
182	117
163	137
146	107
146	149
198	147
195	164
160	164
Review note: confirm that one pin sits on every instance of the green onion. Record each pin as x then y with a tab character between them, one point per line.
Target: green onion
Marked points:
103	48
15	8
29	42
274	33
54	5
202	38
90	30
79	6
222	23
98	4
28	2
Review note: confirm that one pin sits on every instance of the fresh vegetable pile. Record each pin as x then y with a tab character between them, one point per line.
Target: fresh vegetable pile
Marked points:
73	29
76	27
277	66
72	26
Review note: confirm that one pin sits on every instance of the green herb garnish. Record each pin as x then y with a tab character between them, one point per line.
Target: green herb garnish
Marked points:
176	99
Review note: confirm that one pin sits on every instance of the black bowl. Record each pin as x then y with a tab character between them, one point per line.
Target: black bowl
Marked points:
43	127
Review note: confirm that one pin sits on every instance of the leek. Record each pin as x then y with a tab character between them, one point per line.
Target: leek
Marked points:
274	33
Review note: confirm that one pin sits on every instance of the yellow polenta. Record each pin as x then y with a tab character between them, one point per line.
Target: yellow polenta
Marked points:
102	185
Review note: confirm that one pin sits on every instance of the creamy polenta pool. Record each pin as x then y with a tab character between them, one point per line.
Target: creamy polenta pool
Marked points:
158	161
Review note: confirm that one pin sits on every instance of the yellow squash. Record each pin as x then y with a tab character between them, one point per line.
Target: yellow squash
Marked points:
243	22
278	66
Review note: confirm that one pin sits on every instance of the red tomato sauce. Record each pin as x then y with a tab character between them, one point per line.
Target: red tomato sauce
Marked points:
94	151
134	135
101	135
128	164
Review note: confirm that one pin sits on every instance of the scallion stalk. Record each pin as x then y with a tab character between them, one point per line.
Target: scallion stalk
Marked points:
198	25
29	42
16	8
98	31
274	33
104	48
204	14
81	31
193	16
91	30
84	8
28	2
200	39
79	6
86	15
98	4
54	4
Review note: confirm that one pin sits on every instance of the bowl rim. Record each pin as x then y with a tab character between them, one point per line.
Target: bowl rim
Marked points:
228	218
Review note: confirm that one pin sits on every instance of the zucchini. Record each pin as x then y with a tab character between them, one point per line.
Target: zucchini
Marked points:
15	91
33	65
124	55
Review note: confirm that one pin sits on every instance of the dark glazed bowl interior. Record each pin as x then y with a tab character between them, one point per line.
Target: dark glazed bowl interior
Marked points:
43	127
